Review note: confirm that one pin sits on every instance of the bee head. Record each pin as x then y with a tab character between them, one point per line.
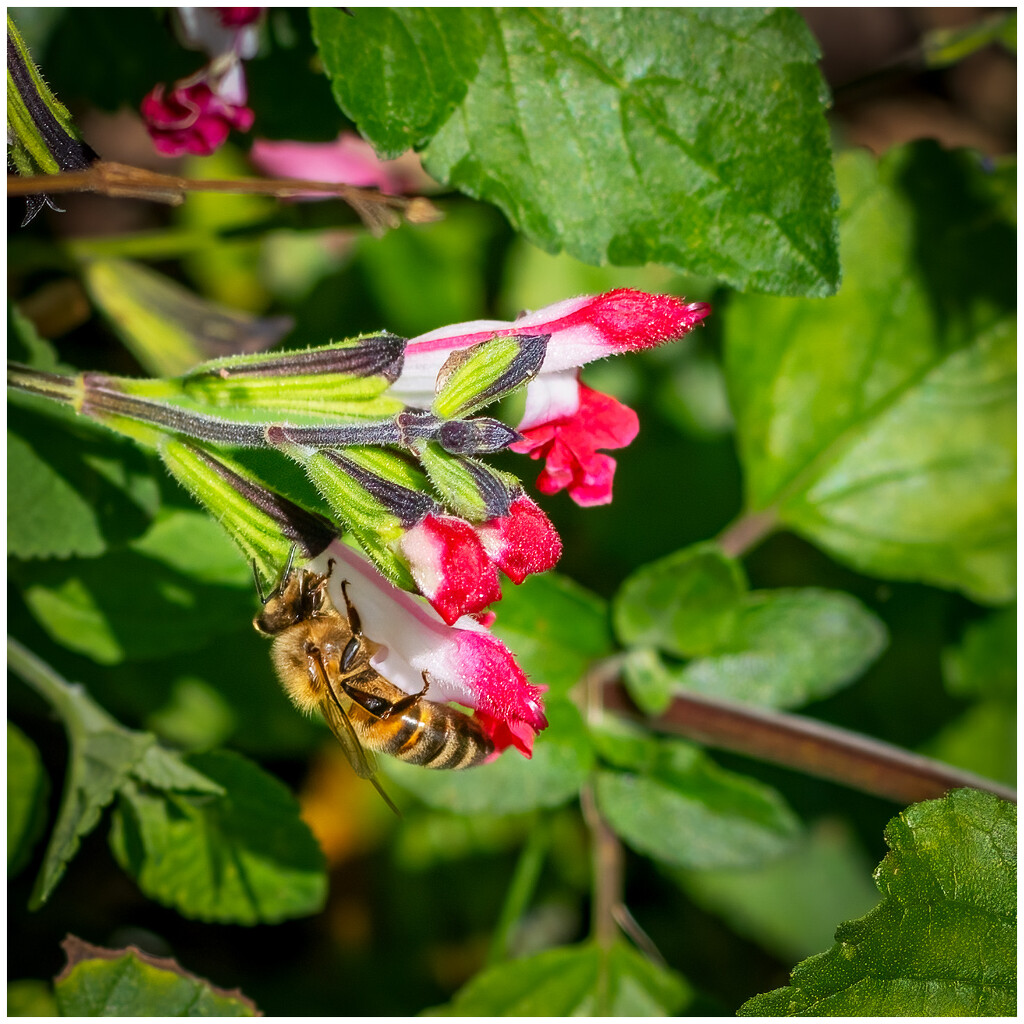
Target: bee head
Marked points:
298	597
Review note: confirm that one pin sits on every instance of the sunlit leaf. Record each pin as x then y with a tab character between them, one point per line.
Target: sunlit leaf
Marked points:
880	424
694	138
789	647
101	982
943	940
686	604
242	857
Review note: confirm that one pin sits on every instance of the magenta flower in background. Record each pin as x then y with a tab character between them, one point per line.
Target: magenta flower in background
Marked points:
465	663
349	160
565	423
197	113
191	119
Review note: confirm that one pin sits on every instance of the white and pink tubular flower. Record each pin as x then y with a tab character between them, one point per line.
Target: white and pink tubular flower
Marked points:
565	422
465	663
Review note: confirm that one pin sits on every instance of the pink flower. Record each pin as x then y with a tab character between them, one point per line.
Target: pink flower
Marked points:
569	446
349	159
523	542
191	119
199	111
564	422
465	663
450	567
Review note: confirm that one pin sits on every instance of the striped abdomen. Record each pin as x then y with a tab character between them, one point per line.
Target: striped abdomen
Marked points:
429	734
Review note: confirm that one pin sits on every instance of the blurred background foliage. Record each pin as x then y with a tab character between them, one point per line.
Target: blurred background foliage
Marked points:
412	906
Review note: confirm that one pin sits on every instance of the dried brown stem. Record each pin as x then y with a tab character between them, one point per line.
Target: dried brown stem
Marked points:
809	746
376	209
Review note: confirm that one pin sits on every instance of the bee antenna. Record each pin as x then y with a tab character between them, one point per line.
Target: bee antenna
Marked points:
259	583
288	564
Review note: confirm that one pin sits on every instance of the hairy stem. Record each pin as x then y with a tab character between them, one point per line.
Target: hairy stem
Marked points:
809	746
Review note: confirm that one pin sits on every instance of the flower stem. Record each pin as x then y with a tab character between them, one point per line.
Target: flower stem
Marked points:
747	532
520	892
124	182
815	748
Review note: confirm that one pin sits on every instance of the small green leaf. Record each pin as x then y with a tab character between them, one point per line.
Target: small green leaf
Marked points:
27	790
943	940
880	424
399	72
561	760
648	680
984	664
101	982
789	647
685	810
30	998
555	628
243	857
685	604
572	981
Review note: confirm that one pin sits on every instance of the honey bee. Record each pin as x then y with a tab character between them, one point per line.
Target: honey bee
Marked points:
323	661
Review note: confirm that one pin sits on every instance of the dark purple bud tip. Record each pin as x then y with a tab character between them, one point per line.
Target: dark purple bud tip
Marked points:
475	437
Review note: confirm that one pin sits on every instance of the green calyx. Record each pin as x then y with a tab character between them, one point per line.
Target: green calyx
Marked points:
42	136
468	487
476	376
263	524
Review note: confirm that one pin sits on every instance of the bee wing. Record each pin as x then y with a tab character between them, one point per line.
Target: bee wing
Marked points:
364	764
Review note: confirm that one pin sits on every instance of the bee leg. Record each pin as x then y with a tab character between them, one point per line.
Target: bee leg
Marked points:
355	623
409	702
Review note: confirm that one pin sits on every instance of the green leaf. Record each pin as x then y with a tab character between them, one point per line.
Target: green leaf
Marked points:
880	424
686	604
562	757
243	857
686	811
102	757
27	790
101	982
555	628
30	998
73	493
984	664
943	940
572	981
129	606
789	647
165	326
399	72
790	906
694	138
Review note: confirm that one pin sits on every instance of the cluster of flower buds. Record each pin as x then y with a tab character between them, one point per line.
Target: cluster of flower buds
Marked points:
197	113
387	432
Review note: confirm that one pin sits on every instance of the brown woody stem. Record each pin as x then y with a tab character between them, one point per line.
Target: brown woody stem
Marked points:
122	181
806	745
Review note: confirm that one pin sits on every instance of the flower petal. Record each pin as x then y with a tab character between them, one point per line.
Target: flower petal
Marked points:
464	663
523	542
450	566
569	446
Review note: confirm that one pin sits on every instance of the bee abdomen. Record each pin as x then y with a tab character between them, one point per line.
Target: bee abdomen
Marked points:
435	736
